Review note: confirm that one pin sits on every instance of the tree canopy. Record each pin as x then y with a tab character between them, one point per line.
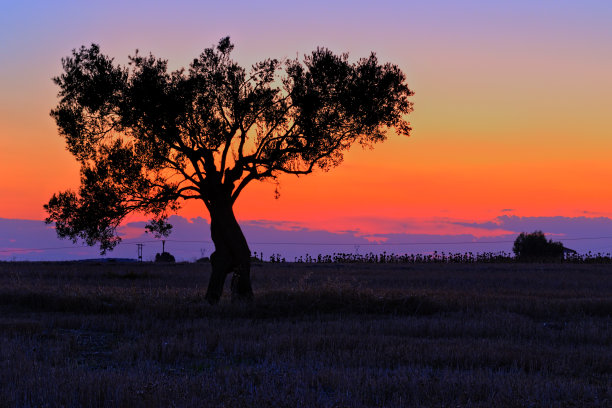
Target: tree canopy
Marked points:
147	138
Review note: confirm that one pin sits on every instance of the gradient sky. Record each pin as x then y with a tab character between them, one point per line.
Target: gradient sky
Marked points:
512	104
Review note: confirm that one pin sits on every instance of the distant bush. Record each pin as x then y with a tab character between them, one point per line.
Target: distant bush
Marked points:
535	246
164	257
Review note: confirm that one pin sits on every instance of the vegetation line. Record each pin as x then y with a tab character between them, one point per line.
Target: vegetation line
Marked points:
303	243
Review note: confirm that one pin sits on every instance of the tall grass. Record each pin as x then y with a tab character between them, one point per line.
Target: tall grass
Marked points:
327	335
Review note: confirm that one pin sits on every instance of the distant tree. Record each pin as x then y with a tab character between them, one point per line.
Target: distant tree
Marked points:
160	228
147	138
534	246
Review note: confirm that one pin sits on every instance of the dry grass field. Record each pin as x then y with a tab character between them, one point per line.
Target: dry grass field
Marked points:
319	335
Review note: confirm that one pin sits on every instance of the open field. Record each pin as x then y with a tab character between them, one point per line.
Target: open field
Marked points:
328	335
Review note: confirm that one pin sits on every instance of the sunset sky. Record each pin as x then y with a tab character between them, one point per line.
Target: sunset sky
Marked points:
512	107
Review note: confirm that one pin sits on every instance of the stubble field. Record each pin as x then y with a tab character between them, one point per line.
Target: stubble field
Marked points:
318	335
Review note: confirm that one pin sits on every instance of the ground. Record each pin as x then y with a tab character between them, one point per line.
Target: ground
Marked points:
318	335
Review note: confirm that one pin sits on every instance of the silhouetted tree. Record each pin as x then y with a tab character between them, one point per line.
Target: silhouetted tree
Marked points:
147	138
160	228
534	246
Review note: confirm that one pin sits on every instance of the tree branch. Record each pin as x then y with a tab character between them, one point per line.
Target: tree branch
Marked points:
250	177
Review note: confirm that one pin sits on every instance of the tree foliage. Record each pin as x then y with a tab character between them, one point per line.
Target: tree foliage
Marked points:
159	228
148	138
534	246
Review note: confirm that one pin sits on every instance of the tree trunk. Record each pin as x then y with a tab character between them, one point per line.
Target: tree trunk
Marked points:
232	255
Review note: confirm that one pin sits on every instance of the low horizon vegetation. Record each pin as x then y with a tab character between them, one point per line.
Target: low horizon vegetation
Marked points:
435	257
368	258
317	335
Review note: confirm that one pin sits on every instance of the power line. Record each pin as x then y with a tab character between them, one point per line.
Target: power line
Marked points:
584	238
337	243
42	249
377	243
382	243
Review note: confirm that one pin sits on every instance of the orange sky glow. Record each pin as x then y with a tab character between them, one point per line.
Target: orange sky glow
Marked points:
511	108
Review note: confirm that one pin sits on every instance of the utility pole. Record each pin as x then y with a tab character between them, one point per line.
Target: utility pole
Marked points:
139	252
